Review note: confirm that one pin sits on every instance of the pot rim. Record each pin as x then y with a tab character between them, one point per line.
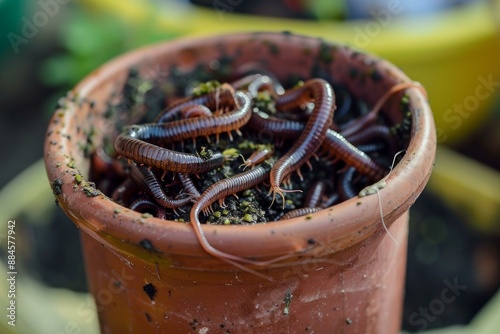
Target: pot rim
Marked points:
340	226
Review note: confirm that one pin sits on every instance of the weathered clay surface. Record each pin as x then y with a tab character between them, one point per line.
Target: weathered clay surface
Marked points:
152	276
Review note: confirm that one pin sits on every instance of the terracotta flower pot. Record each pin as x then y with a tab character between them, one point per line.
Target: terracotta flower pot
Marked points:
152	276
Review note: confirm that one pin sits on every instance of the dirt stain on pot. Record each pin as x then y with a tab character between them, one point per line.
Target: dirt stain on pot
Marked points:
147	244
57	186
150	290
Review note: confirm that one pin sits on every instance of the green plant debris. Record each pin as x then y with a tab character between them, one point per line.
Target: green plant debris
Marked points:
90	189
88	146
265	102
206	87
78	178
205	153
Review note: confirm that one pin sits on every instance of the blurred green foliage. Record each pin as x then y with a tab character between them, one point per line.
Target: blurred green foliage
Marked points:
87	39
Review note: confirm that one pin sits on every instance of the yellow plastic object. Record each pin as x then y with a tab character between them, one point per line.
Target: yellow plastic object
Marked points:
468	186
454	53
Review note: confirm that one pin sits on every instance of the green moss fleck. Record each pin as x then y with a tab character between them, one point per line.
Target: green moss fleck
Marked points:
206	87
247	218
205	153
78	178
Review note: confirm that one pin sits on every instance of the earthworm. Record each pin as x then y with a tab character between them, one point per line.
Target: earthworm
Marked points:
310	139
315	194
193	127
144	205
300	212
362	122
212	100
144	177
145	153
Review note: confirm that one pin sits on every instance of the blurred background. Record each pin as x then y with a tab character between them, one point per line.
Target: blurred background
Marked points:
451	46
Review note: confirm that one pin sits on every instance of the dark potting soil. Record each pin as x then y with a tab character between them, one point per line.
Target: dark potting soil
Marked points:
144	99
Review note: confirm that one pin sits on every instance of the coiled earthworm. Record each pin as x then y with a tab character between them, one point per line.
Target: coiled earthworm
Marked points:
144	205
193	127
144	177
300	212
310	139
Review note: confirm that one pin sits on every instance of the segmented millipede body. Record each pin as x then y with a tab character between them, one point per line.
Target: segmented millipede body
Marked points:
188	185
300	212
219	97
375	132
217	191
220	190
257	157
315	194
144	177
371	117
183	129
338	146
296	97
146	205
334	142
197	110
278	127
261	82
346	188
141	152
310	139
